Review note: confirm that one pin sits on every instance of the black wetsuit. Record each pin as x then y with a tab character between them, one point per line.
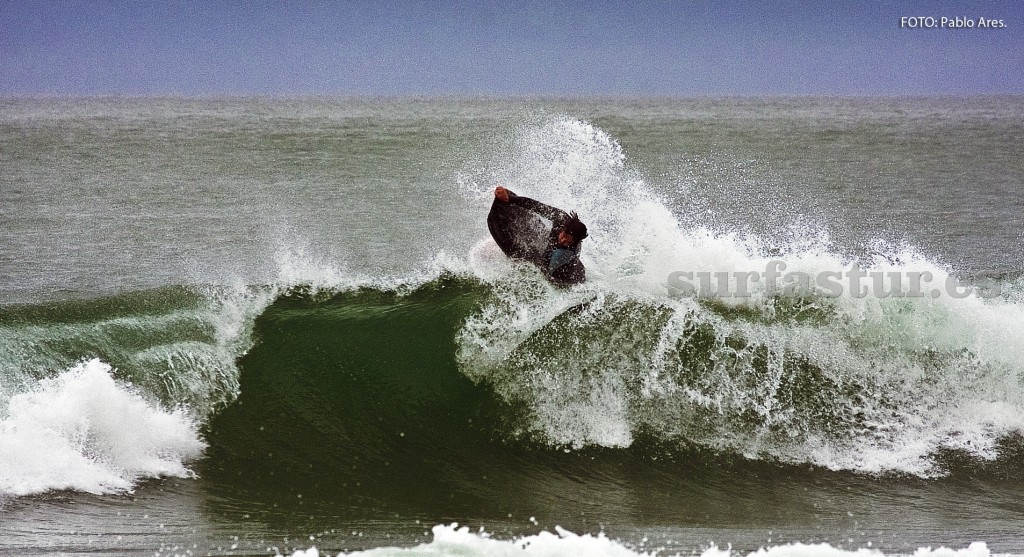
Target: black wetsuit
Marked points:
517	228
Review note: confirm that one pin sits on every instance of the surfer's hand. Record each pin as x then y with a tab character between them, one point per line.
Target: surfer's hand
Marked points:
501	193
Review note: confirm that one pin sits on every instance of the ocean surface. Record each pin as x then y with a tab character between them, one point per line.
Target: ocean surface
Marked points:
279	326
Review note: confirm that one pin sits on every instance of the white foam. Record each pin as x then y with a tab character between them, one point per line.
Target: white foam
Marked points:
85	431
453	540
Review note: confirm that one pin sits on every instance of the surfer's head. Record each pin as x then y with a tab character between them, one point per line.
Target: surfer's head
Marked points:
573	232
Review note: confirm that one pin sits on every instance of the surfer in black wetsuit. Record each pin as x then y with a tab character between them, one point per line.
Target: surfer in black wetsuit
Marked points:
516	224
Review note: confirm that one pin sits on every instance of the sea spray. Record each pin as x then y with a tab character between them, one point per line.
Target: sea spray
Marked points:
859	381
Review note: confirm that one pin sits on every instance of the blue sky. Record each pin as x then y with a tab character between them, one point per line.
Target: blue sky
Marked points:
405	47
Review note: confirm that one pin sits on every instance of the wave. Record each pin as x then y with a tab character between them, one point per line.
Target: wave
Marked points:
479	363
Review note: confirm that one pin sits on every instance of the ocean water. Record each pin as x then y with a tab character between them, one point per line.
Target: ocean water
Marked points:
279	326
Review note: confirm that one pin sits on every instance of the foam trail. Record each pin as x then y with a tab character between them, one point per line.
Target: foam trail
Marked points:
84	431
453	540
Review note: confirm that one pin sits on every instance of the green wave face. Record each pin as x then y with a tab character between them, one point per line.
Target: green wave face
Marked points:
458	392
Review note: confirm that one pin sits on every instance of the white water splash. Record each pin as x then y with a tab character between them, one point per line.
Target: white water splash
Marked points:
908	377
85	431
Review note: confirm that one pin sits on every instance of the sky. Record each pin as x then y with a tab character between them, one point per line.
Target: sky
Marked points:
508	48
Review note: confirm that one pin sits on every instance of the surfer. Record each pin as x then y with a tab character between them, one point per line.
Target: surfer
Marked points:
518	225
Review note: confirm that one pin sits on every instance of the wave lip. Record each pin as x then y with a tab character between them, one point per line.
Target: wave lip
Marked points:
84	431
